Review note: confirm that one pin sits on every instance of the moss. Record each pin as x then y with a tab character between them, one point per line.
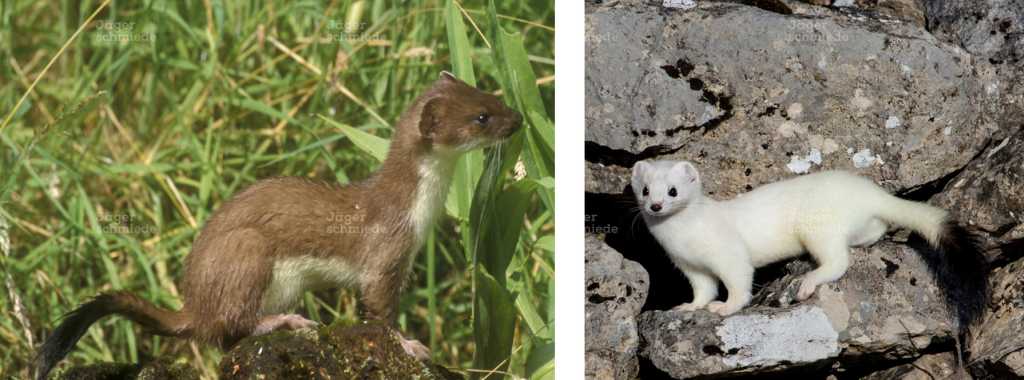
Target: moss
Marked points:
157	369
364	351
102	371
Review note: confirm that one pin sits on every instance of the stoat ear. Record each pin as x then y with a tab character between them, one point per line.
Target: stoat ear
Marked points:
430	118
447	76
640	168
686	170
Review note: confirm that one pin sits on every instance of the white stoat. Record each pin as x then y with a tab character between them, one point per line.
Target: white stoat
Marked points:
823	213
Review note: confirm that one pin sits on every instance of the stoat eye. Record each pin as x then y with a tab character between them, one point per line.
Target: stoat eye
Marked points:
672	192
646	192
482	119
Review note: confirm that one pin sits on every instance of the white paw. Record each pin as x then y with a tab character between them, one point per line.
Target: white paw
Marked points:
295	322
723	308
805	292
415	349
687	307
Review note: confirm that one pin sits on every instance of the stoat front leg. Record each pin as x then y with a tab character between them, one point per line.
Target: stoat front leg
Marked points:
833	257
737	273
380	291
705	288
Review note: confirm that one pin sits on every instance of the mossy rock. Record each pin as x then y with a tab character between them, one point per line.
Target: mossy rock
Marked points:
364	351
157	369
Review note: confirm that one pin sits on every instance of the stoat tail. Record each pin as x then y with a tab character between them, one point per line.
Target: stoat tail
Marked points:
75	323
956	262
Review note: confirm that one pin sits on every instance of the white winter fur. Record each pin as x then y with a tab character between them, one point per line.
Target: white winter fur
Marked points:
823	213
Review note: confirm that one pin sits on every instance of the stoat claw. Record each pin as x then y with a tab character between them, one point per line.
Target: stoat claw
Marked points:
296	322
722	308
686	307
283	322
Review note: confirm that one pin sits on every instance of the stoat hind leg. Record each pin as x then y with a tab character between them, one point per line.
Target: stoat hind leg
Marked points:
870	233
738	278
705	288
833	257
223	293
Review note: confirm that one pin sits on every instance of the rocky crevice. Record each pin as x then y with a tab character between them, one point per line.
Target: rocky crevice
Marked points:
600	154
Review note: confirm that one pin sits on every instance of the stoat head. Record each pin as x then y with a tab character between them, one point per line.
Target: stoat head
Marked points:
664	188
459	117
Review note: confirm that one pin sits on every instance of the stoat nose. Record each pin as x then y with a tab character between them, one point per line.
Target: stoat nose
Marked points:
516	123
656	207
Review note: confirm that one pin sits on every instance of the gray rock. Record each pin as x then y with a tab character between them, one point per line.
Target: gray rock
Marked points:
996	345
993	33
928	367
616	290
906	10
886	304
679	4
989	193
911	11
742	91
1017	233
990	29
610	179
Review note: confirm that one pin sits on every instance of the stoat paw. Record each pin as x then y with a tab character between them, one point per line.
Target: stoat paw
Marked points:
805	292
415	349
295	322
689	306
282	322
723	308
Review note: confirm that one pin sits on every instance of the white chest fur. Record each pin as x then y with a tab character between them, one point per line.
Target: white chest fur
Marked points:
431	192
293	276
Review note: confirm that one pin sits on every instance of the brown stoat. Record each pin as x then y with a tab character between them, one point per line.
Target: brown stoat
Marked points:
280	237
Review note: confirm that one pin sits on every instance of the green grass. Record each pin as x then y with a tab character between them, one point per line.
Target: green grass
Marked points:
158	112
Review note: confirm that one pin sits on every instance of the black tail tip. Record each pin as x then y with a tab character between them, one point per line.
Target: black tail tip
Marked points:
962	271
49	354
71	328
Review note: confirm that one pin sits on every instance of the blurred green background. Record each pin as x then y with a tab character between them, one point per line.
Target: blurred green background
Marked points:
157	112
